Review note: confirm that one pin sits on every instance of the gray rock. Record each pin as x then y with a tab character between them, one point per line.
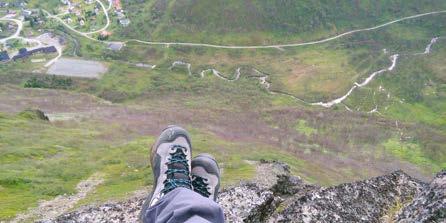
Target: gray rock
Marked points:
125	211
364	201
246	201
289	199
429	205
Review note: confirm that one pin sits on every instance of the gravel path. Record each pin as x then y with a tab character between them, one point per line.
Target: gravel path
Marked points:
61	204
290	44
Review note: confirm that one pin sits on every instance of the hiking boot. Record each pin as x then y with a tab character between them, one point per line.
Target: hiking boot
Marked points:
206	176
171	164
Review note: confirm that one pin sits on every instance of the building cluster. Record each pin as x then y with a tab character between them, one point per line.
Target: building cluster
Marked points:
4	56
122	18
9	27
19	8
33	16
13	4
81	15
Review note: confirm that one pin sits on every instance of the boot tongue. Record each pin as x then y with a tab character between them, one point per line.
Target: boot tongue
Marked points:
179	166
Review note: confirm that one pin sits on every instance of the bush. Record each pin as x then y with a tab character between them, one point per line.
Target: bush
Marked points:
53	82
33	115
13	181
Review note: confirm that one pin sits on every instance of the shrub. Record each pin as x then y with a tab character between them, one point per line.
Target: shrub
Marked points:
53	82
33	115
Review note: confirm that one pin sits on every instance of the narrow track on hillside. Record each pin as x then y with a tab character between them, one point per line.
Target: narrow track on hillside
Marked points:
290	44
52	208
263	78
17	32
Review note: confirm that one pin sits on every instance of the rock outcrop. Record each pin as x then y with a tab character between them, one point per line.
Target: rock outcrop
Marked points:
429	205
364	201
113	212
285	198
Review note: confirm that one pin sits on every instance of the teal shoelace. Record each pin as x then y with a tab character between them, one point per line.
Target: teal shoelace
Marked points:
200	186
178	170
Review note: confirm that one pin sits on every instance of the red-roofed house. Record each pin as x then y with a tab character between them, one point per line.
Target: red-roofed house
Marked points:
117	4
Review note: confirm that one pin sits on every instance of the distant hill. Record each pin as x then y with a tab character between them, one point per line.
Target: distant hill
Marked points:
263	19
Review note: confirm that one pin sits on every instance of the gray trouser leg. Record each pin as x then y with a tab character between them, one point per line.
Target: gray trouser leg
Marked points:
184	205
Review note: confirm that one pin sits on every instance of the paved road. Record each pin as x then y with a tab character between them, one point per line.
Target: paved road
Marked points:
84	34
17	33
291	44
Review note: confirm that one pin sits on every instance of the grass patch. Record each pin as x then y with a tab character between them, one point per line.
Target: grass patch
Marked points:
412	152
303	128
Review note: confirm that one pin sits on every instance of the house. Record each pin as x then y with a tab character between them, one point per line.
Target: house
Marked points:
18	4
120	15
124	22
4	56
24	53
26	13
4	4
15	4
11	13
104	35
11	27
117	4
115	46
49	49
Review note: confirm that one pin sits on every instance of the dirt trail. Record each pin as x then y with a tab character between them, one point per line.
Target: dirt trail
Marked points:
61	204
278	46
263	78
215	72
330	104
281	46
17	32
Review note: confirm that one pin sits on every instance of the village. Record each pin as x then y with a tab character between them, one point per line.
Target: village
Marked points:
87	17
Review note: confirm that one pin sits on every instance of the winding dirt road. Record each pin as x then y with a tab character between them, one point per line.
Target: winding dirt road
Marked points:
263	78
17	32
291	44
278	46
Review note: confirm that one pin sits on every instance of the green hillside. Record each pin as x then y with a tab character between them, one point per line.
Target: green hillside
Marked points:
262	21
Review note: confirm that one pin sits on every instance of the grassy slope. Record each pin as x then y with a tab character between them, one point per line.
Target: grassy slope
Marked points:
310	142
262	21
53	158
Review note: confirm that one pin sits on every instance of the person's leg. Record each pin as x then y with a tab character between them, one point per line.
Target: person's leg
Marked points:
184	205
172	198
